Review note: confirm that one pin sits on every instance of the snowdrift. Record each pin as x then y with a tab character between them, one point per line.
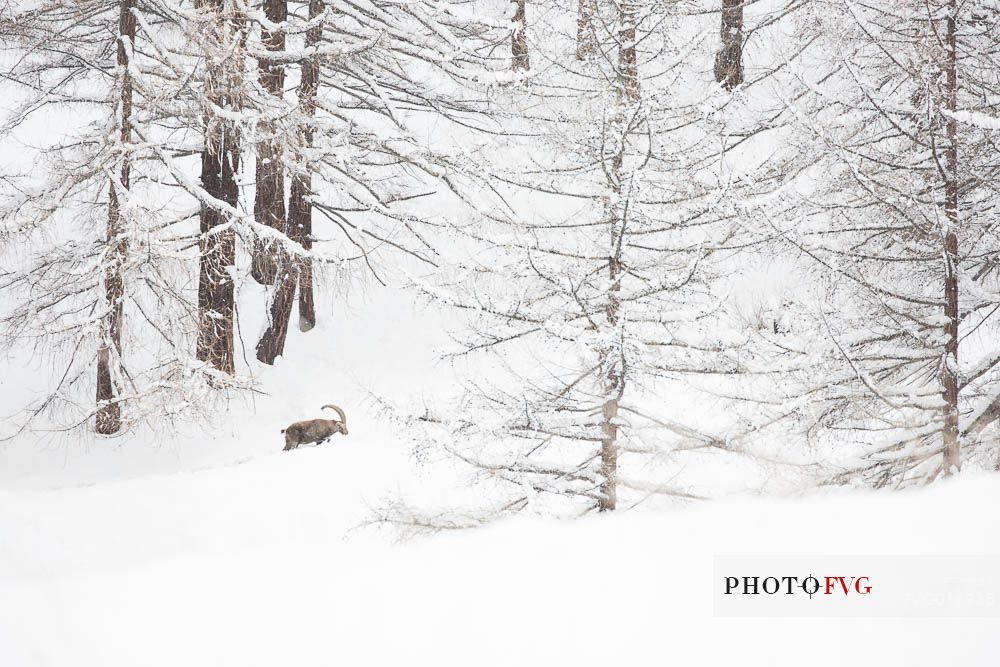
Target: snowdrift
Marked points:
260	563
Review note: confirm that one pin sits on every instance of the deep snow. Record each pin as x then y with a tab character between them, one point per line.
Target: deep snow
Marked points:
255	564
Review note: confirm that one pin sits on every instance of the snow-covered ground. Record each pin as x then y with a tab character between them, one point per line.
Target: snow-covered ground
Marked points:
219	549
256	564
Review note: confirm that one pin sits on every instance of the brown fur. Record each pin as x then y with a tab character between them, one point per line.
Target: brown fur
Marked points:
314	430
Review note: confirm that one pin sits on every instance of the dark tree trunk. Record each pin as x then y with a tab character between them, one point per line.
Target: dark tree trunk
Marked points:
220	161
108	408
729	59
300	209
301	231
269	202
272	343
292	270
949	368
519	38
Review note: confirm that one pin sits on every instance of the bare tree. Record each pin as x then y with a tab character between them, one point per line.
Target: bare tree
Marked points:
590	280
220	162
361	84
96	245
272	263
108	410
891	201
269	197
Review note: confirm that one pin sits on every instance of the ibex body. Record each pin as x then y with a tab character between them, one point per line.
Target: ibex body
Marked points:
314	430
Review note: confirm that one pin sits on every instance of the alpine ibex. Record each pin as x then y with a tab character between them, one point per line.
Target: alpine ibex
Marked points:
314	430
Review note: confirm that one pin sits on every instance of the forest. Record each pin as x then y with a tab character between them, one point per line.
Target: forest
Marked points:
551	259
587	210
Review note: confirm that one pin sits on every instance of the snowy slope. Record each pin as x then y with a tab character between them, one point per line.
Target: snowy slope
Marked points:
255	564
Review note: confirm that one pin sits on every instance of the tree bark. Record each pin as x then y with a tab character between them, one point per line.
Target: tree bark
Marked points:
729	59
612	389
585	38
301	231
220	161
272	343
628	64
108	408
949	368
300	209
519	38
269	201
628	92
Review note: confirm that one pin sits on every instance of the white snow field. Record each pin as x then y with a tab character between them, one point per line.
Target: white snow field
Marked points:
254	564
219	549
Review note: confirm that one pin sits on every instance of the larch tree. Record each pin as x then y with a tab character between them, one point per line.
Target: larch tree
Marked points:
590	280
294	269
369	79
300	208
108	420
269	197
224	25
893	201
94	243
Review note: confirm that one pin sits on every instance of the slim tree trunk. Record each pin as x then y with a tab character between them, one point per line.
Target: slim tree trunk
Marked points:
302	232
108	409
949	368
519	38
613	387
269	201
729	59
220	161
585	37
628	90
628	64
300	209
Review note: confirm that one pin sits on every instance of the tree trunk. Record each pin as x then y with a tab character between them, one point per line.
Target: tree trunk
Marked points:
220	161
108	409
612	389
299	208
949	368
301	231
519	38
729	59
627	63
272	263
269	201
272	343
585	38
628	91
609	457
